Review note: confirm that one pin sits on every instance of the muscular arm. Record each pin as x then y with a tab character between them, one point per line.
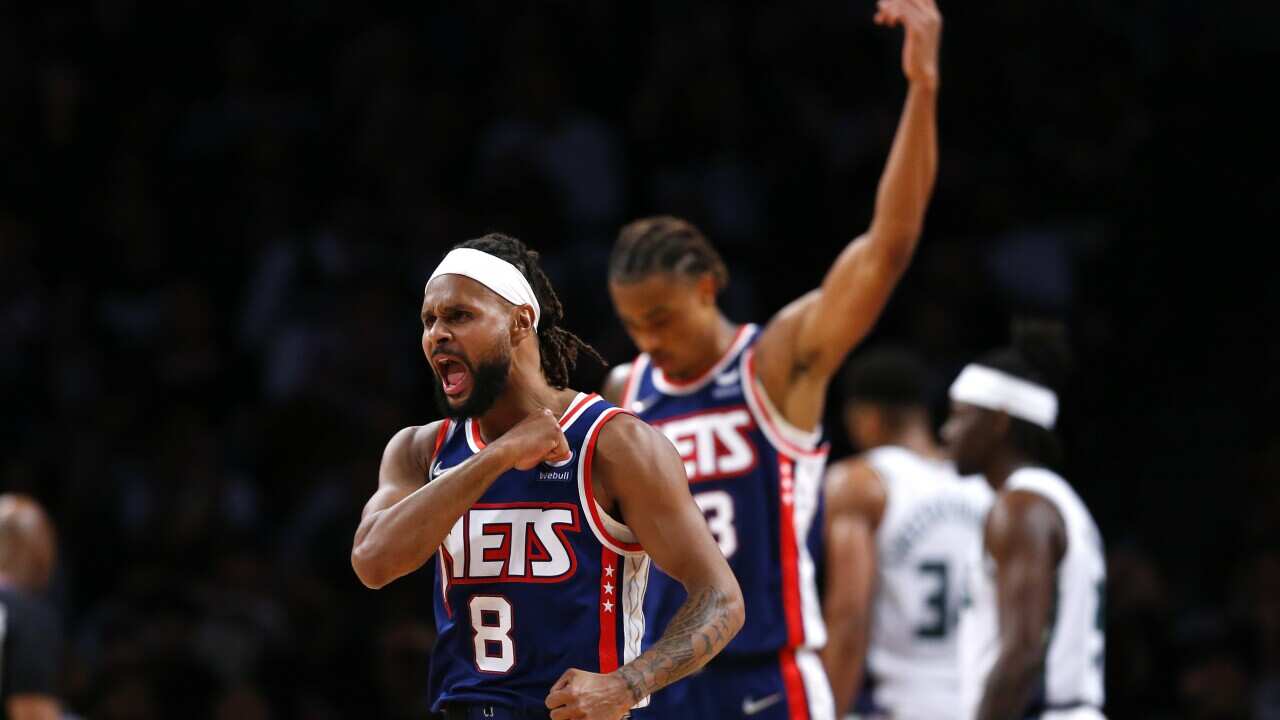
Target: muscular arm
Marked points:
405	520
805	344
658	508
674	533
1026	538
855	503
32	707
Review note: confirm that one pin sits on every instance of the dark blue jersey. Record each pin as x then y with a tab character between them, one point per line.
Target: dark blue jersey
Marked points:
534	578
758	482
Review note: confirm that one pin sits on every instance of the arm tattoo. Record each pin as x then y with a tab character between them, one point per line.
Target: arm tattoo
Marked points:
698	631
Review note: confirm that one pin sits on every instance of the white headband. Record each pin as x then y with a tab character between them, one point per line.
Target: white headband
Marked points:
994	390
492	272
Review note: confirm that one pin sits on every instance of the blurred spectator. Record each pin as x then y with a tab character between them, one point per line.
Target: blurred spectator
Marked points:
30	632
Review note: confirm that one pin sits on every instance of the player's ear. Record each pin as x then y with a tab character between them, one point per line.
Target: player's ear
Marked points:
521	323
707	288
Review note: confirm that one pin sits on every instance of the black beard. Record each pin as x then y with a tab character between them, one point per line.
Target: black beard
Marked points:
488	381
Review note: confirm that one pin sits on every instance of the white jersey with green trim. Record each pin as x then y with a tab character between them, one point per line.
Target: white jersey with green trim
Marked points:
1072	682
932	522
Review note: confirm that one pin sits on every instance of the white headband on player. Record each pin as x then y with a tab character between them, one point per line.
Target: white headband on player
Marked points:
492	272
995	390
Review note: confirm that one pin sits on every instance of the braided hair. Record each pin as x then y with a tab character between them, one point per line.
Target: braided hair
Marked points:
559	347
664	244
1040	354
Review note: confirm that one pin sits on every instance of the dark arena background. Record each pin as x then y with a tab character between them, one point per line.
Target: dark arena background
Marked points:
216	220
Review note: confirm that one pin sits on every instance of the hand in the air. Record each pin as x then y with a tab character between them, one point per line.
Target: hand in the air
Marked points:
582	695
923	24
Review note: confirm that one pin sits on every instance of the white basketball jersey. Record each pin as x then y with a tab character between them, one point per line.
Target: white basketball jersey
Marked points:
932	522
1072	685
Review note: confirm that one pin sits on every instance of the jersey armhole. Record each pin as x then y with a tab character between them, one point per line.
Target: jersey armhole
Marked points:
781	434
609	531
885	490
629	390
441	435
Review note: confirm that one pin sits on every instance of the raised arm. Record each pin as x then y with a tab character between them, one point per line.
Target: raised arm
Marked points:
406	520
639	469
855	502
806	343
1026	538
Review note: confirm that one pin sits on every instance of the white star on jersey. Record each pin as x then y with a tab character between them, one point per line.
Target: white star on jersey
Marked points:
608	588
608	606
608	570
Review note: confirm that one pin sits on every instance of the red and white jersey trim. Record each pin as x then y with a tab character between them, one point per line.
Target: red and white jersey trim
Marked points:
787	438
623	583
611	533
579	405
638	366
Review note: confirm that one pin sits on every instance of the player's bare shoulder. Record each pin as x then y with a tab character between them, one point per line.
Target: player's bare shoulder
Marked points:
632	454
779	334
615	384
411	449
852	485
1020	518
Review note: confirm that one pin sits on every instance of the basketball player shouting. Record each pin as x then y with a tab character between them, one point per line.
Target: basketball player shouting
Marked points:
743	406
1031	633
518	492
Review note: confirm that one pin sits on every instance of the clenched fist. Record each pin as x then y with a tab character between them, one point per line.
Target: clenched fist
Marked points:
535	440
582	695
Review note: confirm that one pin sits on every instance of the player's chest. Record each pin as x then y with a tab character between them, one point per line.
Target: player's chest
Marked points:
530	541
715	440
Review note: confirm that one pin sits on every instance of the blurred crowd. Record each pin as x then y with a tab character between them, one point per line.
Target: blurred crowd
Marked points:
216	220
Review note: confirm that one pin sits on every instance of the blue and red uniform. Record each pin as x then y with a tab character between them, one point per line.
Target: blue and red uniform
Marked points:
533	579
758	482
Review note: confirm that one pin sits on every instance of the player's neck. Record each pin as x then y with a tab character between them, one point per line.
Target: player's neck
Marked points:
523	396
722	337
918	440
1002	466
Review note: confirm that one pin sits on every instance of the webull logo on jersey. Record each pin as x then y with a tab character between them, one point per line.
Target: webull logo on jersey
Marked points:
713	443
512	542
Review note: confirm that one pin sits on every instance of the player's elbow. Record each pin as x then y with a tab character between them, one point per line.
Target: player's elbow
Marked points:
895	243
735	608
370	565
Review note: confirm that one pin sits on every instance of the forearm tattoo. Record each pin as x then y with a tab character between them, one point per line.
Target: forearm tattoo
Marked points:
699	630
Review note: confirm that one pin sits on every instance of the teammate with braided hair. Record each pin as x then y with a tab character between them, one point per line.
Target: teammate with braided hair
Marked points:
520	493
1031	633
743	405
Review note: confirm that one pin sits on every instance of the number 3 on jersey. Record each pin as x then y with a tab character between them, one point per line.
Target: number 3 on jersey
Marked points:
717	507
491	626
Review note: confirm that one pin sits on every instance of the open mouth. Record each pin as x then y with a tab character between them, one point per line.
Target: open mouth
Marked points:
455	377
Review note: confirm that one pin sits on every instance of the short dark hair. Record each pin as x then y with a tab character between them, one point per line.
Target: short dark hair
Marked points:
664	244
1039	352
559	347
887	375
